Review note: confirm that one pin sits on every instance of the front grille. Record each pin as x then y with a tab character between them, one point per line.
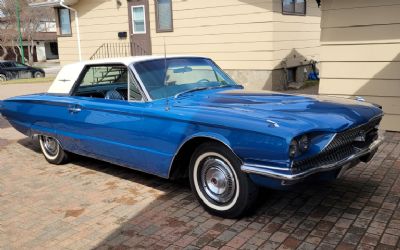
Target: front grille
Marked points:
348	136
341	147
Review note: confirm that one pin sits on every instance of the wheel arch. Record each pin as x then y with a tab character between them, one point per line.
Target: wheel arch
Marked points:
179	166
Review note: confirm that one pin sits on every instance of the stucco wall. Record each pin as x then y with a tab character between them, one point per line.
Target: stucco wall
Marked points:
99	22
361	53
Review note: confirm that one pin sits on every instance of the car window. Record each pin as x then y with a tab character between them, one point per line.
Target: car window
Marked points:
134	91
108	82
100	75
19	65
8	64
183	75
164	78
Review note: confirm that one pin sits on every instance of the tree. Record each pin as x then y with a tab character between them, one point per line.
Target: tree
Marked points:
31	21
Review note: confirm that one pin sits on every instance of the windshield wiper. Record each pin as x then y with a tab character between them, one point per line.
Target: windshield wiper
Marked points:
201	88
190	90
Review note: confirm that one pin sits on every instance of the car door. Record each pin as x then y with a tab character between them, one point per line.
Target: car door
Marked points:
17	70
9	67
106	125
23	70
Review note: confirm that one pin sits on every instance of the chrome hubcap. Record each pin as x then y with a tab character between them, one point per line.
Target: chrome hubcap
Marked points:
50	145
217	180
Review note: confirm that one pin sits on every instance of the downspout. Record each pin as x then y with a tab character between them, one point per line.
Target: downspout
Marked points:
78	34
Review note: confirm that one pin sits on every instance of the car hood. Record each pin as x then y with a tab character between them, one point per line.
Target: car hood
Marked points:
301	112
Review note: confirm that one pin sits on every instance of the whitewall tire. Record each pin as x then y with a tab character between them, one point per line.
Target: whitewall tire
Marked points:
52	150
218	183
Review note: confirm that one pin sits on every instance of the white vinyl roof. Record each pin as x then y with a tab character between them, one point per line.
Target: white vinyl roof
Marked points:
68	75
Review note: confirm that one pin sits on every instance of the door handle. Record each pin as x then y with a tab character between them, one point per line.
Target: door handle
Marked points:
74	109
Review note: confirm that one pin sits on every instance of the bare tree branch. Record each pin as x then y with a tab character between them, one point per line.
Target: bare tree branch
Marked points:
31	20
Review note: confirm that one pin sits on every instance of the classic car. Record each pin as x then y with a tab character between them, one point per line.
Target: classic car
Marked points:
15	70
184	117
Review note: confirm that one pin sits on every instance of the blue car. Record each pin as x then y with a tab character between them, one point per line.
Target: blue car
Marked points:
183	117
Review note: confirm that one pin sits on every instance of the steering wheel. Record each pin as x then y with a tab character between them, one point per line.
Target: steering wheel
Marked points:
203	80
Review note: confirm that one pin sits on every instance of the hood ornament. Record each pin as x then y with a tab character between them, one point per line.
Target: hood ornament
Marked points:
272	124
360	98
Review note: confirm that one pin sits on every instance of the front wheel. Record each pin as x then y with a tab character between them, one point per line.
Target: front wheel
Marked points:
52	150
218	183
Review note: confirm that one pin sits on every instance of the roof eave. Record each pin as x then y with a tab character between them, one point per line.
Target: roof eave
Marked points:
45	4
53	3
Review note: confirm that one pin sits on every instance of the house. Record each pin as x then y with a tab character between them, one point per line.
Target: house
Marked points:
44	41
263	44
360	53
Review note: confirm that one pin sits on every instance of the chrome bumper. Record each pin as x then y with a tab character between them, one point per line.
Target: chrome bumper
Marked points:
286	175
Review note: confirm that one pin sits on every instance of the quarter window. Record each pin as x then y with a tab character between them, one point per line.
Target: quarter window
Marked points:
294	7
164	15
64	21
138	19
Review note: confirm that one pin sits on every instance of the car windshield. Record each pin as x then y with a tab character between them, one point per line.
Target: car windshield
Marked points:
173	76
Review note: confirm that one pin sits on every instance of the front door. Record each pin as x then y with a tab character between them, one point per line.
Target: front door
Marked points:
139	26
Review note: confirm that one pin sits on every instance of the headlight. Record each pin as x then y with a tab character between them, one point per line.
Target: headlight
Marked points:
298	146
293	148
304	143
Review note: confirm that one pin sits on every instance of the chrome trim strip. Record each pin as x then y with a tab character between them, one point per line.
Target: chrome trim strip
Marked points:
269	172
266	166
330	141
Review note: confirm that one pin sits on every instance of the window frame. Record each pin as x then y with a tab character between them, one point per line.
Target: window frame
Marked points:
58	23
294	13
144	19
158	29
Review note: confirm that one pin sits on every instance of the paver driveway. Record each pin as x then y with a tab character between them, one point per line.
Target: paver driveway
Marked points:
91	204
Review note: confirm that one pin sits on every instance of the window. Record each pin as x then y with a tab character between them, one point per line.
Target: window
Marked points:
8	64
163	78
138	20
64	21
20	65
164	15
108	82
134	92
294	7
291	75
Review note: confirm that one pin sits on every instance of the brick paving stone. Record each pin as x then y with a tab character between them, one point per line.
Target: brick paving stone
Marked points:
88	204
278	237
307	246
389	239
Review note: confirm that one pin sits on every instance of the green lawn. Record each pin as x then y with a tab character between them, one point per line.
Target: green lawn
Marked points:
30	80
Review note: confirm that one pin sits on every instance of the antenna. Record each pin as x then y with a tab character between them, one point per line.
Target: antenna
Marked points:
165	63
165	73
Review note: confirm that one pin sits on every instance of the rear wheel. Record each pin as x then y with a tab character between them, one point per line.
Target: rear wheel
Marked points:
52	150
218	183
38	74
3	78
